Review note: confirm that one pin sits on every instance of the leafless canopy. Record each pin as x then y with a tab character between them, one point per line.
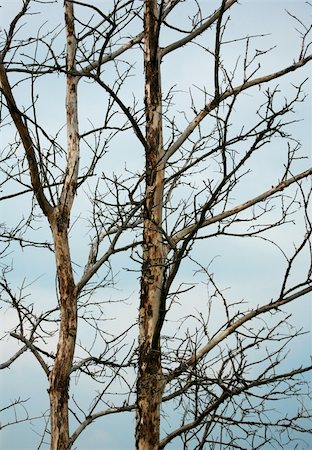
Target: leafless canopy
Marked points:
140	141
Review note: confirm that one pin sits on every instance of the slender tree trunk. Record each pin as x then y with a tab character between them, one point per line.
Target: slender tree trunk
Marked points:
152	309
60	374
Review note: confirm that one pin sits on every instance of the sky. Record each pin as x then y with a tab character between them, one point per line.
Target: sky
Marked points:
248	269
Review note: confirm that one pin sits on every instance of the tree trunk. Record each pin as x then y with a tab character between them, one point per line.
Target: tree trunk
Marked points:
152	308
59	221
60	374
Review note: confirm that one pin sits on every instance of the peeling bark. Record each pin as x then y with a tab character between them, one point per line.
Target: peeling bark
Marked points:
152	308
60	374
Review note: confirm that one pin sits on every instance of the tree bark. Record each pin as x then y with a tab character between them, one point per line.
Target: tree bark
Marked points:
60	374
152	307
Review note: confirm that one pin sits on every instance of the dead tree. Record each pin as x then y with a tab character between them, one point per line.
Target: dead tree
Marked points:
184	185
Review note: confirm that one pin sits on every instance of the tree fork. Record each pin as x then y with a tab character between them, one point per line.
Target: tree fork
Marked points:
150	378
60	374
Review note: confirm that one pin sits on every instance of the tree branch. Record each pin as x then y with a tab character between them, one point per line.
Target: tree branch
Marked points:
34	351
229	93
230	329
13	358
243	206
191	36
228	394
27	143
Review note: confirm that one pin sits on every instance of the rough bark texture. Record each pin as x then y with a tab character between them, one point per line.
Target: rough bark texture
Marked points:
60	374
152	307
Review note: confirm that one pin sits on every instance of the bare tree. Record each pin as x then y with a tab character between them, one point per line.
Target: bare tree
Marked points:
138	176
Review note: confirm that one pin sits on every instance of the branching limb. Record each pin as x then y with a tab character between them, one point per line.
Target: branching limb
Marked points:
34	350
223	96
274	305
7	364
198	31
219	217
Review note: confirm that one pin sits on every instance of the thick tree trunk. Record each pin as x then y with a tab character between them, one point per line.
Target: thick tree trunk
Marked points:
152	308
